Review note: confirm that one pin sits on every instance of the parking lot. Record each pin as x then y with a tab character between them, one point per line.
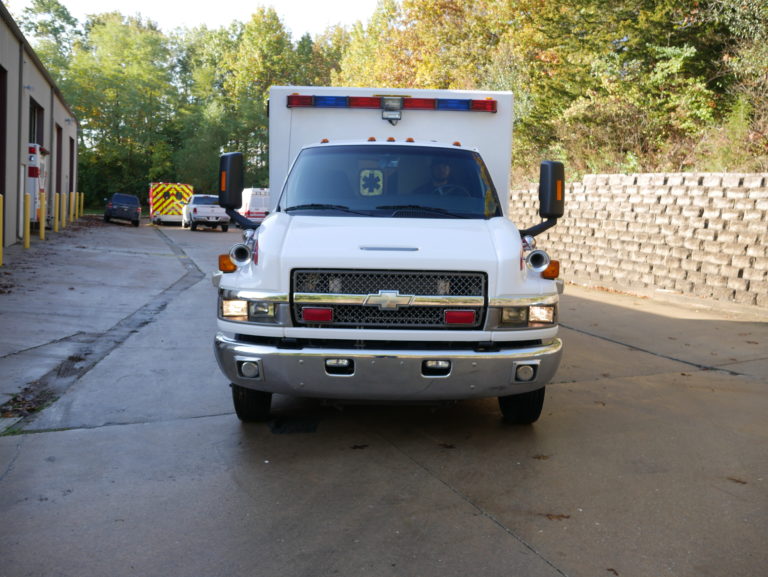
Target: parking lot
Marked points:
650	458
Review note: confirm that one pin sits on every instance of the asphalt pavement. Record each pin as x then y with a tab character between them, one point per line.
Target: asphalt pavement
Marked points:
122	454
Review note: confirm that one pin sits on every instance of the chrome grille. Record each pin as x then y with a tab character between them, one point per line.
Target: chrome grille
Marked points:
407	282
339	283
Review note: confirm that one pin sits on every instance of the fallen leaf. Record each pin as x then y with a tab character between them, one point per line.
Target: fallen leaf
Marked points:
556	516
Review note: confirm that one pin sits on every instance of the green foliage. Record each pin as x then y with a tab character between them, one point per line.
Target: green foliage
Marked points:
628	85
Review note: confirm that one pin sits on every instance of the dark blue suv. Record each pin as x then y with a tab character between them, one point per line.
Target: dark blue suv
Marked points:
123	207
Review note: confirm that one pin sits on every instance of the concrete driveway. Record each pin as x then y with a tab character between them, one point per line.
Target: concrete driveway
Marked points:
650	459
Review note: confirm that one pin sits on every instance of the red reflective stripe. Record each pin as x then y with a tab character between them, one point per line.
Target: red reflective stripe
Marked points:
34	172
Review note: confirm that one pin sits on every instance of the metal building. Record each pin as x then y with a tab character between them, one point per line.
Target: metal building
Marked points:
32	112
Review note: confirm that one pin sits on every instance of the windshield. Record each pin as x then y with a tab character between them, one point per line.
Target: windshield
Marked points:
205	200
389	181
125	199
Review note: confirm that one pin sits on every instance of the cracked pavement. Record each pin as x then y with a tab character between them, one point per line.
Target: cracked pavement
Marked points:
650	459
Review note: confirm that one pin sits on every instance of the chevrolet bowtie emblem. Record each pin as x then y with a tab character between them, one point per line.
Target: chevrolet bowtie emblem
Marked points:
388	300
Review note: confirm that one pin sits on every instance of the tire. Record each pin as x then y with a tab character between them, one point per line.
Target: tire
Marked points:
224	227
192	226
522	409
135	223
106	218
250	405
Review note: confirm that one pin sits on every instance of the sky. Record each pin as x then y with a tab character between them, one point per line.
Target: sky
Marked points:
298	16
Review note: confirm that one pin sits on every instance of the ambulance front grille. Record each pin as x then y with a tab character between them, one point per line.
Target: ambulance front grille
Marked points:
342	285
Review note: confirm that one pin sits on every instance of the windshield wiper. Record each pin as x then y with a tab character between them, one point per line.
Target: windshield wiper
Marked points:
319	206
420	207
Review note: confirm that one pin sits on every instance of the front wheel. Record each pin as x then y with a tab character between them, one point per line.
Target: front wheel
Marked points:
224	227
522	409
251	405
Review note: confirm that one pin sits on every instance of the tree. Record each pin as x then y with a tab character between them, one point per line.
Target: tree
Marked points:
121	88
54	31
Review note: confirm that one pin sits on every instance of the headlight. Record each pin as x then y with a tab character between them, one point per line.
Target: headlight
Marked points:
542	314
234	310
531	316
514	316
261	312
248	311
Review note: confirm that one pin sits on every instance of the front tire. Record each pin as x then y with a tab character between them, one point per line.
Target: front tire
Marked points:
522	409
250	405
193	226
224	227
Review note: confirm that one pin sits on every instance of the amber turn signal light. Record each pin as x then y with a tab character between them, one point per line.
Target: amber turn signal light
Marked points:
226	264
552	271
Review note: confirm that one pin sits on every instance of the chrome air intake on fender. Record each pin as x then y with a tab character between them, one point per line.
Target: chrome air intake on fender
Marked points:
537	260
240	254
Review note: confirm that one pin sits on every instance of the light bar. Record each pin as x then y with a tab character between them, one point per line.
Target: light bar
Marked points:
385	103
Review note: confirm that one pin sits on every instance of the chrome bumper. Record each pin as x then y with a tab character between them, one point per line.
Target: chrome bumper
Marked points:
387	374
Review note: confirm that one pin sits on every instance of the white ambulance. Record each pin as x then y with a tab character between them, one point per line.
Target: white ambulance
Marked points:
389	268
256	204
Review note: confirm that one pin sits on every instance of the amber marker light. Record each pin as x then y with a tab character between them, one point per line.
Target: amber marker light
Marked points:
552	271
226	264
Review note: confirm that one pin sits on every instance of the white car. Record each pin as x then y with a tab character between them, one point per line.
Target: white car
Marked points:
204	210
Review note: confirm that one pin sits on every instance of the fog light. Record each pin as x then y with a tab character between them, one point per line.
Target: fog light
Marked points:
249	369
340	366
436	368
525	373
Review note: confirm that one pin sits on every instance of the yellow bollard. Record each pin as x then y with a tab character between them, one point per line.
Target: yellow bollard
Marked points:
56	212
2	220
63	210
27	211
82	203
71	207
42	216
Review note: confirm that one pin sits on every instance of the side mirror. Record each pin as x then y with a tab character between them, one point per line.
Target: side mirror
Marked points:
551	189
231	180
551	197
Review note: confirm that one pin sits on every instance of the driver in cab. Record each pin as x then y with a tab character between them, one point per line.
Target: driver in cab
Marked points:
439	182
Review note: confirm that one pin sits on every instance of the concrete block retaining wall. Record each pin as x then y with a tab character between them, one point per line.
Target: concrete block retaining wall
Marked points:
704	235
